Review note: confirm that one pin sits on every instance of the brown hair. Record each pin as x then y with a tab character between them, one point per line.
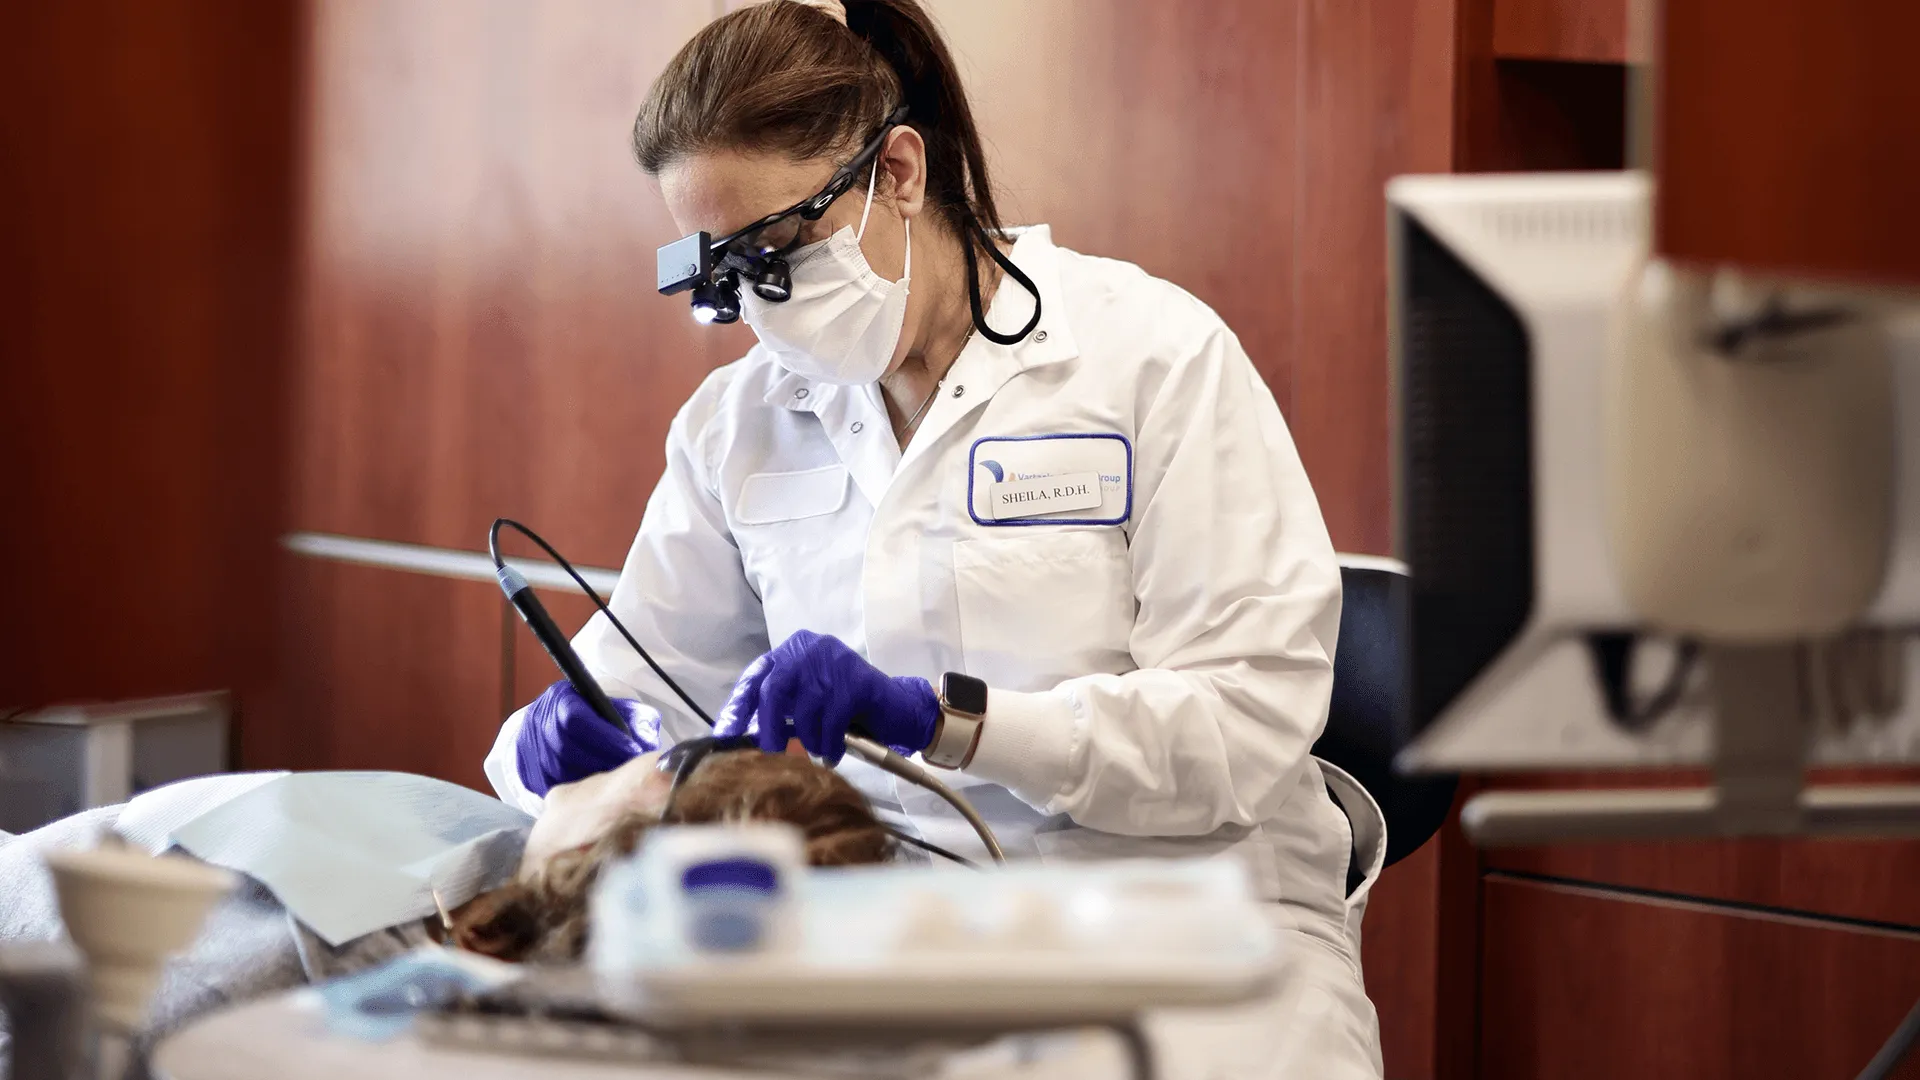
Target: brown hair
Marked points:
785	77
544	918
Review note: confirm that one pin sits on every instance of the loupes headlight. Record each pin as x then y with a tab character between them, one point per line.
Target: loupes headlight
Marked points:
685	263
716	302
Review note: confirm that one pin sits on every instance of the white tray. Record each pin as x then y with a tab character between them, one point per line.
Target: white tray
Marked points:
1035	991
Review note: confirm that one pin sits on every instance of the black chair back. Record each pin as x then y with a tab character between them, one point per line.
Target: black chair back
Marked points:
1366	726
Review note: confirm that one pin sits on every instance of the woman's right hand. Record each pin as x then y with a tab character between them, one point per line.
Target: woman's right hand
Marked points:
563	740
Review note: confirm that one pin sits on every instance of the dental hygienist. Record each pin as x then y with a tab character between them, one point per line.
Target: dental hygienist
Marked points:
1026	512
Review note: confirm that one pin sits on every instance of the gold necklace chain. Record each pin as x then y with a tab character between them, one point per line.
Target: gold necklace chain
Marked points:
922	410
935	392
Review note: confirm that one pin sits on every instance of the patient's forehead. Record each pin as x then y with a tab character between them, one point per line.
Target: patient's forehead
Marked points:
578	814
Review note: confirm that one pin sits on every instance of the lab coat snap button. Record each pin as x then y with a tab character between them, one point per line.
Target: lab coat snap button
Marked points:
800	394
858	427
959	390
1039	337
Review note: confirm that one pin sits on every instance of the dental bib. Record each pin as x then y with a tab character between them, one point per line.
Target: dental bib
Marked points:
347	853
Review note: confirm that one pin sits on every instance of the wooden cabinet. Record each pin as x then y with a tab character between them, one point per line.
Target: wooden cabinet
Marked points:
1789	137
1540	85
1585	984
1583	31
1864	880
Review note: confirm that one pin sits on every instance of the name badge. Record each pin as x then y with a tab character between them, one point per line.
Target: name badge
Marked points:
1064	478
1045	495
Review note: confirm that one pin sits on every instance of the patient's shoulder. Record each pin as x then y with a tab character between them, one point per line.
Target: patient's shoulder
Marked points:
28	908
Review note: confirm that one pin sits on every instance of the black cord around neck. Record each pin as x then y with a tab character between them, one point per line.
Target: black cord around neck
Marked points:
973	229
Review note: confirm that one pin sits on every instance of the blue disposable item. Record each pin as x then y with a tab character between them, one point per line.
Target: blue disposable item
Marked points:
815	688
563	740
700	891
729	902
381	1003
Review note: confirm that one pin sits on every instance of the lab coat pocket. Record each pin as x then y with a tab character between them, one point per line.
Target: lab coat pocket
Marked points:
767	498
1313	841
1043	607
796	546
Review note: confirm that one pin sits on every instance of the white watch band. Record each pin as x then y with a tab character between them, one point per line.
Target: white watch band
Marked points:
957	732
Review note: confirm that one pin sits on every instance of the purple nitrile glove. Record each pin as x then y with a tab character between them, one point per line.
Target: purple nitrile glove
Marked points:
812	687
563	739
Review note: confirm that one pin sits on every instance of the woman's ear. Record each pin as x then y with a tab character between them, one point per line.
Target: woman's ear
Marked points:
500	924
904	160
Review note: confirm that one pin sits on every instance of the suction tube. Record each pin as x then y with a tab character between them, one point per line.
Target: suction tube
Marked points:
882	758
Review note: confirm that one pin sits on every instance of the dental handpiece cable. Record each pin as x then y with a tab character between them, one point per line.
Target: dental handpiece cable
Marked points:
520	594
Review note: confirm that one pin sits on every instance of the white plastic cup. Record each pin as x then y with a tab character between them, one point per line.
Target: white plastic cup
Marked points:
127	912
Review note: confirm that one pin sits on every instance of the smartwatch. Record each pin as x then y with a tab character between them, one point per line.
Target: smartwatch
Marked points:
963	711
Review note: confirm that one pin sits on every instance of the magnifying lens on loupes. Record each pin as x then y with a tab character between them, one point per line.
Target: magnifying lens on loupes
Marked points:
714	269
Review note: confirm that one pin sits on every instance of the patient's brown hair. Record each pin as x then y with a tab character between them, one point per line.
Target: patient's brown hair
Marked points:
545	918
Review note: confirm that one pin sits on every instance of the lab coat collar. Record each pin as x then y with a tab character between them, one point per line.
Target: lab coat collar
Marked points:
795	392
1051	341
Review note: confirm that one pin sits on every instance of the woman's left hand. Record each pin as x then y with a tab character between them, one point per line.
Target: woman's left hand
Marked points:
815	688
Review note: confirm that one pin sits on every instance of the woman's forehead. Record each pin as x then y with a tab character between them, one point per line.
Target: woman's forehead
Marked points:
721	191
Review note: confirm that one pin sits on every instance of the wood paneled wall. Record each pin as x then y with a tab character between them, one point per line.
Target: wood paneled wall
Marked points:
482	336
1239	148
147	166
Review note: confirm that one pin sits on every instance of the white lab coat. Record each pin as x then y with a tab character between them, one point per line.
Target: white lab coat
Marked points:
1155	685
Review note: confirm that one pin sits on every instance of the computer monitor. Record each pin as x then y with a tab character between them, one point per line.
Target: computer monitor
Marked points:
1503	292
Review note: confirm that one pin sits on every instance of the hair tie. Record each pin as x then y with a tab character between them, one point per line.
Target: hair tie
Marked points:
832	9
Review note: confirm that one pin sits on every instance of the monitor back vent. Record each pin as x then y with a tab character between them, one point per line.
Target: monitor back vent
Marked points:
1565	223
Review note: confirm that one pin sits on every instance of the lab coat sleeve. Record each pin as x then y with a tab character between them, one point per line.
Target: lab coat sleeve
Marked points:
682	593
503	767
1238	608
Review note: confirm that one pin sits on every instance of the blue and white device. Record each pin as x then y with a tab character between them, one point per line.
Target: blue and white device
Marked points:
721	925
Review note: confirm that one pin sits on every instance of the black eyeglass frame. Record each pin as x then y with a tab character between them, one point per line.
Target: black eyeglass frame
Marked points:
683	757
692	262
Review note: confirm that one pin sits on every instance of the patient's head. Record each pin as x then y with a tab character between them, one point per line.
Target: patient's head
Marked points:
543	915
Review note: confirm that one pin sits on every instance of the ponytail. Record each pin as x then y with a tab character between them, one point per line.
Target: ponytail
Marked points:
905	37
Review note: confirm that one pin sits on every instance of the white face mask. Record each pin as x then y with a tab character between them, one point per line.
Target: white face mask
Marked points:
842	323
